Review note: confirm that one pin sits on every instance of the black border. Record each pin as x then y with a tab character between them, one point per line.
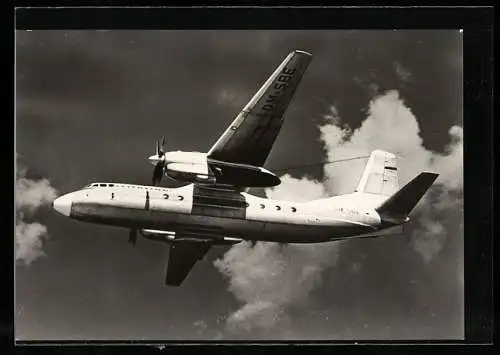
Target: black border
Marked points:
477	24
253	18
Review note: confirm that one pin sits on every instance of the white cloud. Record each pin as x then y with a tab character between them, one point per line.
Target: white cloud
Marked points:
29	240
269	278
299	190
30	195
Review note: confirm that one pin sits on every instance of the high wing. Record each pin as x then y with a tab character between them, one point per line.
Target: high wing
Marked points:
250	137
183	255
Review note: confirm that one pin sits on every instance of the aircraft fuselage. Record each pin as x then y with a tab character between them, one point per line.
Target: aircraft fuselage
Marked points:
213	213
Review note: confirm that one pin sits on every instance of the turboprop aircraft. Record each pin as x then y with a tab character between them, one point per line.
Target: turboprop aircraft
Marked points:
238	156
193	218
214	209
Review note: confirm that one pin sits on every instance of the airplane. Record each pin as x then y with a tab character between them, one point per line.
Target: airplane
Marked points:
214	209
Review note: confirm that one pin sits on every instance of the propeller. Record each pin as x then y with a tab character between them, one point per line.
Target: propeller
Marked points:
158	160
160	149
132	237
158	172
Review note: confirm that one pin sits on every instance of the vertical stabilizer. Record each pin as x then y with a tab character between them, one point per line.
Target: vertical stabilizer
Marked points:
380	176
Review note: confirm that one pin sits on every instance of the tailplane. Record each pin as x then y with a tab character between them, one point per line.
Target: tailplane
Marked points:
396	208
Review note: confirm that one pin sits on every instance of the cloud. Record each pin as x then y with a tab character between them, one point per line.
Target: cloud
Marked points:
200	327
270	279
31	195
403	73
299	190
429	238
29	239
392	126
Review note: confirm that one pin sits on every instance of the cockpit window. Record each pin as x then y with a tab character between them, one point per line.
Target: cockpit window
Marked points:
102	185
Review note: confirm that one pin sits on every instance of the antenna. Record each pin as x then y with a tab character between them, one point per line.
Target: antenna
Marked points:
318	164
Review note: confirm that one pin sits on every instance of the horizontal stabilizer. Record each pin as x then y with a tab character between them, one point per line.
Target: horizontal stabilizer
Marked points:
183	256
397	207
399	229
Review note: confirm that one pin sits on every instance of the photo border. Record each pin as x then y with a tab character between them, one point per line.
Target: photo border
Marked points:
477	25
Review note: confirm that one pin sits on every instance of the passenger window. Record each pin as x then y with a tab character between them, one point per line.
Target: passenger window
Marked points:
262	206
294	209
165	196
180	198
278	208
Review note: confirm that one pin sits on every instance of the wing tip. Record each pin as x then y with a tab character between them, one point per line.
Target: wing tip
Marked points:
173	283
383	153
432	176
298	51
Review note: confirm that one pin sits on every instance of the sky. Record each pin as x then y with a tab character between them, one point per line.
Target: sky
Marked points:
89	107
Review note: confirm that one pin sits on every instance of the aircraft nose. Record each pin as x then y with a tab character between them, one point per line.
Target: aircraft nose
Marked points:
63	204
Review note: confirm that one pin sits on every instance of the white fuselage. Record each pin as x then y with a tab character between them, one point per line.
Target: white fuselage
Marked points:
197	211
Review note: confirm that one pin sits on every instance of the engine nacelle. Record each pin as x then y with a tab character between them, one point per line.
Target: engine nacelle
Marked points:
158	235
190	173
196	167
170	237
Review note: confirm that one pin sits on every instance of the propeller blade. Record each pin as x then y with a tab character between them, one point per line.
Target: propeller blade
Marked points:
157	148
132	236
158	172
161	148
156	181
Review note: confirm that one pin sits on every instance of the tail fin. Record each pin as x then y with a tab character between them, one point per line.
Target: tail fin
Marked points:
380	176
397	207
